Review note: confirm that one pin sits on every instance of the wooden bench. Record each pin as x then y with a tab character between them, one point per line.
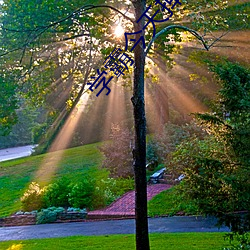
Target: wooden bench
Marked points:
155	177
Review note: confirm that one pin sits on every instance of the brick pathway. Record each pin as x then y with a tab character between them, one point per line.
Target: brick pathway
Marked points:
124	207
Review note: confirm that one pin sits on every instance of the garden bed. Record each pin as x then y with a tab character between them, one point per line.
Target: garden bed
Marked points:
31	219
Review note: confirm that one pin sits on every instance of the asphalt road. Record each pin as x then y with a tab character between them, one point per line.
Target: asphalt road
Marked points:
14	153
156	225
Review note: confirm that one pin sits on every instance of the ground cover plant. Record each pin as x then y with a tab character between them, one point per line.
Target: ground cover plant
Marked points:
172	241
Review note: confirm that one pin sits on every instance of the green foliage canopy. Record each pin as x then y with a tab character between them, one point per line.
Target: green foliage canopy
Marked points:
54	45
8	105
217	168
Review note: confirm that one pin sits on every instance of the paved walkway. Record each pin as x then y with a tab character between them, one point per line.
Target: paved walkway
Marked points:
156	225
17	152
125	206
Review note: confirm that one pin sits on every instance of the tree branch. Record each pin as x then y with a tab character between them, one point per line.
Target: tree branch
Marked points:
42	29
86	8
76	12
218	38
193	32
112	8
72	37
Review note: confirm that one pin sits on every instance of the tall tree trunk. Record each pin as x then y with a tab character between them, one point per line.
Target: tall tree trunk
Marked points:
139	152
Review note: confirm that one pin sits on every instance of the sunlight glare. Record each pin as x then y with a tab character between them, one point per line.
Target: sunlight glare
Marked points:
119	31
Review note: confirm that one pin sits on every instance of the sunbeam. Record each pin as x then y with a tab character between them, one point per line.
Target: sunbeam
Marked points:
173	97
51	161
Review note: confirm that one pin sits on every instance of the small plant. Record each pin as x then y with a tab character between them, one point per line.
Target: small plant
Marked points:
103	195
243	242
33	197
122	186
48	215
73	209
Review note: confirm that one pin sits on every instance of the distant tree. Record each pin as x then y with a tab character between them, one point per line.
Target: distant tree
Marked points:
118	155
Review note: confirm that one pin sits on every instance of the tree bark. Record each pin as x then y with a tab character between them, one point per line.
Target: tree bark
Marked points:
139	151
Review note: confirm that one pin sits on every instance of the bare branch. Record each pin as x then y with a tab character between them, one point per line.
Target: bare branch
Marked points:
26	44
218	38
193	32
86	8
72	37
112	8
10	51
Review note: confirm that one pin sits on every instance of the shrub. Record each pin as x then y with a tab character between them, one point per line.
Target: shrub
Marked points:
33	197
123	185
38	131
103	194
57	193
243	242
152	155
216	168
209	181
109	189
81	194
48	215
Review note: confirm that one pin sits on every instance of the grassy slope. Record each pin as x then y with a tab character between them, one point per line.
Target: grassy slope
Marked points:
173	241
16	175
169	203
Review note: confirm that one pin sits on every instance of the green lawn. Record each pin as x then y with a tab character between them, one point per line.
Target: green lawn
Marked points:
16	175
172	241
